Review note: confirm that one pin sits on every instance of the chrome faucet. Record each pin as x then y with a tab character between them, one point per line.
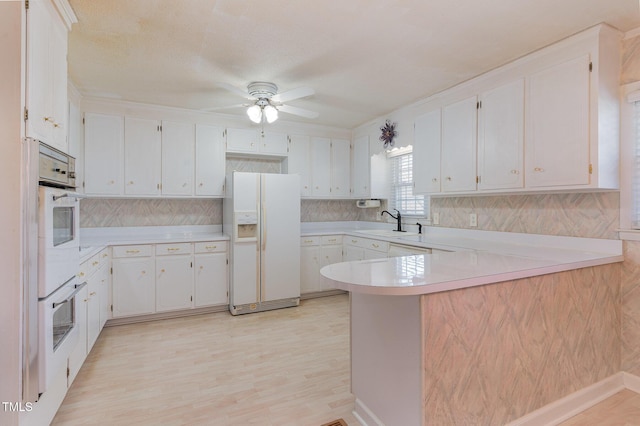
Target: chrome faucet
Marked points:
397	217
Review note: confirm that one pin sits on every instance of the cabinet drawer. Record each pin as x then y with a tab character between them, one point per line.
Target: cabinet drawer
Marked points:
169	249
132	251
211	247
331	239
104	257
367	243
310	241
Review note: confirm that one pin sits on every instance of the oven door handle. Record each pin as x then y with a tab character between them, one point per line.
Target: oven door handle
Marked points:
78	287
69	195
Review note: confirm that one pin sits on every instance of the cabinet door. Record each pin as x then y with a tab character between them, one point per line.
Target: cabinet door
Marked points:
299	161
329	255
459	136
352	253
242	140
178	145
103	154
320	167
309	269
211	279
174	282
360	168
501	137
133	286
93	311
210	161
104	281
374	254
340	168
557	125
426	153
59	104
142	156
273	143
39	75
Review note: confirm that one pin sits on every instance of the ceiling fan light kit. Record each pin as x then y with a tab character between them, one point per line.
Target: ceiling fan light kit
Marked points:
267	102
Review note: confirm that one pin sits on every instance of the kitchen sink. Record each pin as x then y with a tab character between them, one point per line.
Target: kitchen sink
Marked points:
385	233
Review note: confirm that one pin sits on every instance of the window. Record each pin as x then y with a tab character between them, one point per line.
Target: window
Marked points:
401	195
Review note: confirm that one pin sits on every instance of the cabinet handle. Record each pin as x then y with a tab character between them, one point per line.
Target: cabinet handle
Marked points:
133	251
434	180
200	184
515	172
308	241
130	182
332	239
449	178
201	267
538	169
210	247
105	254
162	270
354	241
93	293
50	119
111	182
173	249
375	245
94	263
81	274
143	272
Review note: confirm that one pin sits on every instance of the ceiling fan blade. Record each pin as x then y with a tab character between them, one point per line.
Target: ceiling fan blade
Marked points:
225	107
298	111
235	90
289	95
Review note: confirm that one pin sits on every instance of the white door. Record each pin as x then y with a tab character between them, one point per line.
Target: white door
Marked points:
178	145
280	237
340	168
426	153
210	161
242	140
133	286
211	279
557	125
174	282
103	154
501	137
142	156
459	136
360	168
299	162
320	167
273	143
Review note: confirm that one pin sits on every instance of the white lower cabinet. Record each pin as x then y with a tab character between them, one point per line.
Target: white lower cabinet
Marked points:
211	274
166	277
134	287
174	277
356	248
315	253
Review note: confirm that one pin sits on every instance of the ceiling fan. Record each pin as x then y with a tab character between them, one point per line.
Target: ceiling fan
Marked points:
266	102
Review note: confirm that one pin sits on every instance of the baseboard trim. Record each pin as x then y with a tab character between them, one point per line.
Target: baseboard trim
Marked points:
166	315
364	415
567	407
631	382
325	293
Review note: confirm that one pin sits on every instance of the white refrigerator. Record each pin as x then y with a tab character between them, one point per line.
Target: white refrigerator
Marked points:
261	214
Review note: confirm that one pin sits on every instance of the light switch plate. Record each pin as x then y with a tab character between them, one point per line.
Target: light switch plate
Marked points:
435	219
473	219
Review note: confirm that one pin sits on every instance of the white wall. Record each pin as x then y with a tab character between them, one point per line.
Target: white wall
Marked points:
11	101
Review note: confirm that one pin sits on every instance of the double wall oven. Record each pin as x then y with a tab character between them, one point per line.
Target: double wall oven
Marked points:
51	330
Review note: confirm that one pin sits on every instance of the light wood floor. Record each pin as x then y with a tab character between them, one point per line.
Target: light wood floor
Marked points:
283	367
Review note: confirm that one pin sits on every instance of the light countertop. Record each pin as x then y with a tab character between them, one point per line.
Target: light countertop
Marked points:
475	258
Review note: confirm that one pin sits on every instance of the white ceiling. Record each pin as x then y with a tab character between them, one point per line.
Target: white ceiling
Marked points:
364	58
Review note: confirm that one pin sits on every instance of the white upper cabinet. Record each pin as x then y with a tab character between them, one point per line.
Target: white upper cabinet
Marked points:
254	142
103	154
360	166
46	83
558	125
178	146
501	137
320	167
340	168
299	161
458	161
210	161
426	152
142	156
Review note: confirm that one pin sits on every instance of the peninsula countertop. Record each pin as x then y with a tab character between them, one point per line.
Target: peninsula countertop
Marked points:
475	258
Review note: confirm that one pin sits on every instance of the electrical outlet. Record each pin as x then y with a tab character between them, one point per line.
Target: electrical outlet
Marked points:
473	219
435	218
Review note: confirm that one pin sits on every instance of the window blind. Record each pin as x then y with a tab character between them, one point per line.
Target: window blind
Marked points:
401	193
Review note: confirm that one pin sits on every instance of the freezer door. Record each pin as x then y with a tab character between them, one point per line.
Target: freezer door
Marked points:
245	286
280	237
